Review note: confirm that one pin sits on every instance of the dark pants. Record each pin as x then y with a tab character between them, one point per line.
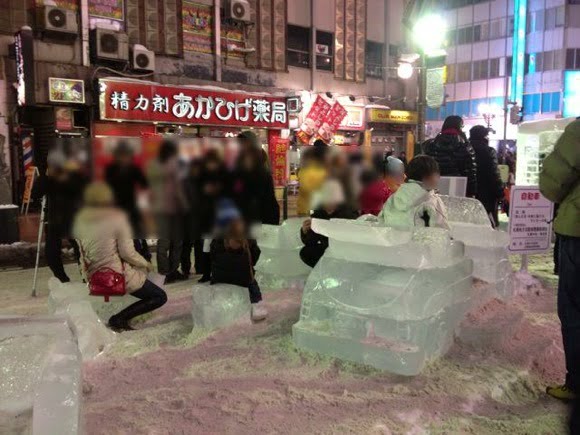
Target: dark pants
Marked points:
152	297
53	253
575	418
170	229
311	254
255	292
186	248
569	307
204	263
142	248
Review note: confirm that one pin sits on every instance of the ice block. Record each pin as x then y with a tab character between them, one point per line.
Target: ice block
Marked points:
219	305
40	379
280	266
391	299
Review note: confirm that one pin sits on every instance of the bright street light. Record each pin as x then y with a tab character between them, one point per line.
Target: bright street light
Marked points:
429	32
405	70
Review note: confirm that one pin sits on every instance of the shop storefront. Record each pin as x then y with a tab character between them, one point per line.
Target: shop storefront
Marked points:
350	133
143	113
391	130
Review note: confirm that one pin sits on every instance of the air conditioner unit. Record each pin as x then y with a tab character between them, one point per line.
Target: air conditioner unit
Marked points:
110	44
57	20
142	59
238	10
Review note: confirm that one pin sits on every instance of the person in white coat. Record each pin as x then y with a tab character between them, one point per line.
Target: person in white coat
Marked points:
415	203
106	241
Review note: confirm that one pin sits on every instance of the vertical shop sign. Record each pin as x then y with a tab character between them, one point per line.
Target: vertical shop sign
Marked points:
278	152
24	52
314	119
331	122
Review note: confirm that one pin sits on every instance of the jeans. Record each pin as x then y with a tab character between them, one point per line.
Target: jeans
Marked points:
569	307
152	297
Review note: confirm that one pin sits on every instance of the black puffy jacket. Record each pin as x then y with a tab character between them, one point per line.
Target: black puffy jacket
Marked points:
456	158
489	184
233	266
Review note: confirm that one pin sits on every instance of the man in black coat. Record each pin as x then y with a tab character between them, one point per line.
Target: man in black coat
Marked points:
454	154
489	184
332	206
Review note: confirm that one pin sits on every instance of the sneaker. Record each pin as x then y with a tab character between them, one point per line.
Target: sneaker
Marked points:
259	311
561	392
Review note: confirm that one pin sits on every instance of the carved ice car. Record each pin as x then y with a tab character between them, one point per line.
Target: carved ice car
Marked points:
280	266
40	380
387	298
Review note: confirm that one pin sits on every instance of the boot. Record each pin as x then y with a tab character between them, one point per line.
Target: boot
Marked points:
120	321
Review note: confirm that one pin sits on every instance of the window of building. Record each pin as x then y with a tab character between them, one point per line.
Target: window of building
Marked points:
324	51
463	72
480	70
298	48
573	58
450	73
465	35
560	16
510	30
497	29
494	68
374	59
452	37
477	33
550	18
509	61
548	61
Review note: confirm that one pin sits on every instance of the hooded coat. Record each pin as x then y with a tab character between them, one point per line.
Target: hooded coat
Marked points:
455	156
489	184
105	239
413	206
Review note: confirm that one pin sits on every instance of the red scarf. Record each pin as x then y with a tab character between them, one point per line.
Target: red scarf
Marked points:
451	131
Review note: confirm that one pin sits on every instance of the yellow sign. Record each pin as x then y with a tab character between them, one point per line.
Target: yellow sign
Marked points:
392	116
31	174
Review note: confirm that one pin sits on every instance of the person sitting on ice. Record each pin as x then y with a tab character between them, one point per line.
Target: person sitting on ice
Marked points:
105	239
233	256
415	203
332	206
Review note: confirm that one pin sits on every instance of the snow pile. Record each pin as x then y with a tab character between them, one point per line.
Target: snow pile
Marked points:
280	266
219	305
40	377
383	297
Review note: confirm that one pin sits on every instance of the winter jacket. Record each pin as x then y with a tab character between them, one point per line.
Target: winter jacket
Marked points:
63	200
124	182
560	180
255	197
167	195
456	158
310	178
105	238
413	206
373	197
233	266
213	185
489	184
313	239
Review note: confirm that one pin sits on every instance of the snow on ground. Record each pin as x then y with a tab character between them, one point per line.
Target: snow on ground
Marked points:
166	379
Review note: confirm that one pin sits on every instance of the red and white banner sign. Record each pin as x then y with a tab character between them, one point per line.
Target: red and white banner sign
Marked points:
134	101
314	119
331	122
278	153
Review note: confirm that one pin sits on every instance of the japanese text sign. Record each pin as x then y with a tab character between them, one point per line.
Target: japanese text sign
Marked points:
134	101
278	148
331	122
530	225
314	119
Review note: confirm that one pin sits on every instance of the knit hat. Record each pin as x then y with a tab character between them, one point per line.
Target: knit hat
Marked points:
227	212
478	132
394	166
98	194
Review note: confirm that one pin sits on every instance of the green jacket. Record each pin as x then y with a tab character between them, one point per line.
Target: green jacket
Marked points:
560	180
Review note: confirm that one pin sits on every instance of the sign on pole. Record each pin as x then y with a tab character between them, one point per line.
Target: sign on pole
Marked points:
530	224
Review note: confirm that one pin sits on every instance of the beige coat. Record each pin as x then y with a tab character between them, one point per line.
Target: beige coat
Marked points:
104	235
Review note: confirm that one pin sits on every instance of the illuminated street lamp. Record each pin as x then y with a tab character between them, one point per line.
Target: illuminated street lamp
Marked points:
405	70
489	112
429	33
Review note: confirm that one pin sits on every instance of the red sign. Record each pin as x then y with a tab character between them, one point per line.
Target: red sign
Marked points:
138	101
278	151
314	119
331	122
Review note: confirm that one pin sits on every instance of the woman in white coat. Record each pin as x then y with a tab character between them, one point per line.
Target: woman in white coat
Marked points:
106	241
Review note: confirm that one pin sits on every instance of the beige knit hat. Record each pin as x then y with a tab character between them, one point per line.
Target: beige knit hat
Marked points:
98	194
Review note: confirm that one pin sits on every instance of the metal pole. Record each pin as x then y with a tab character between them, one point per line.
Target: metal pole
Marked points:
40	230
422	103
524	264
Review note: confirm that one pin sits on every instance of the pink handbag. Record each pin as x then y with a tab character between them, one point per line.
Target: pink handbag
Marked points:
105	282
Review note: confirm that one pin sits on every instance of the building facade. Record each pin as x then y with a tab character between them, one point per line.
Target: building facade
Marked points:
482	77
53	69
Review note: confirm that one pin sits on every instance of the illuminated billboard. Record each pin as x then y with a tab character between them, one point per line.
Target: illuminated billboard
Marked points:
571	94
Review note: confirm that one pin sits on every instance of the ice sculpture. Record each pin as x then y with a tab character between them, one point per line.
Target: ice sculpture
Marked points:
487	247
280	266
387	298
72	301
40	379
219	305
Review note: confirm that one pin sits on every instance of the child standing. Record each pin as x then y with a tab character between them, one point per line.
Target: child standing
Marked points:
415	203
233	257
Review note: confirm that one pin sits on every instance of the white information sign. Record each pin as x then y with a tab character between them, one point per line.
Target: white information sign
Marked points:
530	222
